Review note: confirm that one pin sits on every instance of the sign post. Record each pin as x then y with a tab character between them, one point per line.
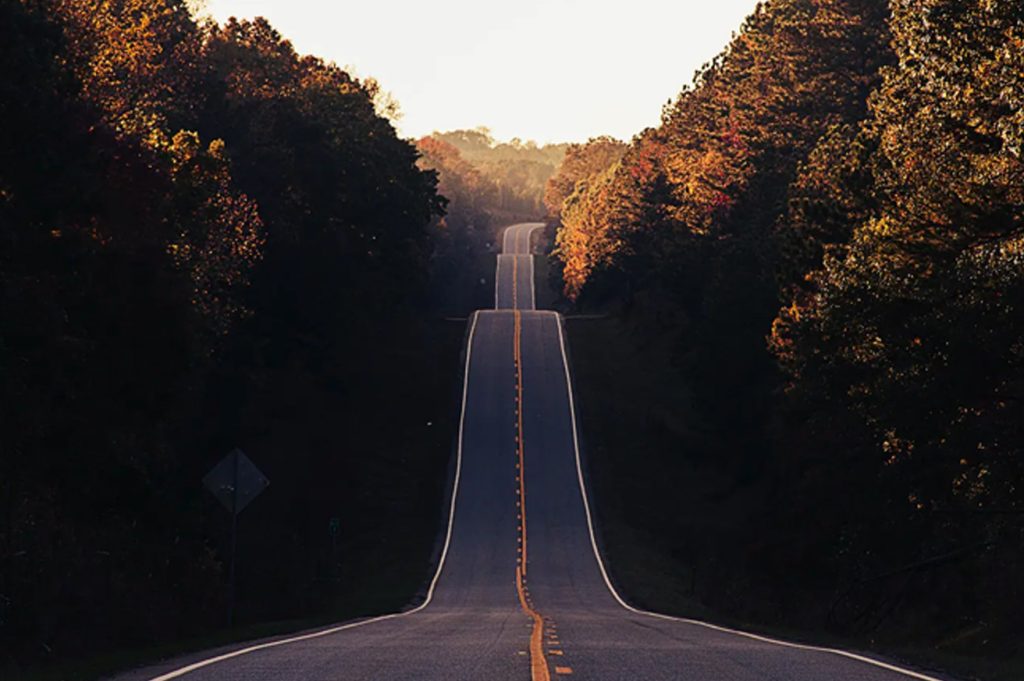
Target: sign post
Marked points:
235	481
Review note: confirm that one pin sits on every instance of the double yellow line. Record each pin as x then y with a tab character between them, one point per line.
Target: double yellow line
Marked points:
538	662
515	282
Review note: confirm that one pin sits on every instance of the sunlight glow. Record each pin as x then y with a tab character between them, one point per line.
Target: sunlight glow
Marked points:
548	70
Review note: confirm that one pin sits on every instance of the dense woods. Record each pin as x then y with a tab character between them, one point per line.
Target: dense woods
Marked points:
207	241
803	405
824	236
514	174
486	185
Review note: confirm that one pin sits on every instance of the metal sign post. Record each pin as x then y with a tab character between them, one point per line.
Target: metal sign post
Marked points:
235	481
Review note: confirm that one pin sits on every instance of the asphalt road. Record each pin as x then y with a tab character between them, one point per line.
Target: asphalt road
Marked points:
514	281
521	592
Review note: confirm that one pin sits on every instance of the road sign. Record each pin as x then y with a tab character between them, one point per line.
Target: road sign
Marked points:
235	481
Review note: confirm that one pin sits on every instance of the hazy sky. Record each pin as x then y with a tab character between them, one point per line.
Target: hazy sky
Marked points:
548	70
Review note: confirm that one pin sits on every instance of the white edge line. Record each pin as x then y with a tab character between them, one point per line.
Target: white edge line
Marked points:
516	230
615	594
433	583
497	281
533	283
531	228
533	287
505	251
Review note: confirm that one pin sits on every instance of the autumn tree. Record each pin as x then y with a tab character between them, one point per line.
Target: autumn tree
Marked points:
136	60
697	198
462	234
218	234
518	170
138	65
913	317
582	161
466	189
200	229
861	163
344	203
103	349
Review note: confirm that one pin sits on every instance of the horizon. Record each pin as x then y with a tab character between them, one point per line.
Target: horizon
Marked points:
477	77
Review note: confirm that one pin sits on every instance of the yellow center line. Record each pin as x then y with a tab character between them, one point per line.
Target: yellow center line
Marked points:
515	282
539	670
520	461
538	662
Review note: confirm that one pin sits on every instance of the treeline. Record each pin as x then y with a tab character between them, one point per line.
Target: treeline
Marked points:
512	175
487	185
827	226
207	240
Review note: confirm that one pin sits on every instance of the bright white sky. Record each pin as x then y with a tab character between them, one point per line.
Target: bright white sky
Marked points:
547	70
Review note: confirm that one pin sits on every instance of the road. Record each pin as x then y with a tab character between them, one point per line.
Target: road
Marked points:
514	280
520	591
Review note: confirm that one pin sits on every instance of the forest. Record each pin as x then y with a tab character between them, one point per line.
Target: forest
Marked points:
816	257
508	178
207	241
488	185
794	309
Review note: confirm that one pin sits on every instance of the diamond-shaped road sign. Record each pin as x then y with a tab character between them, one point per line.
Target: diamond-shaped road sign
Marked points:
235	481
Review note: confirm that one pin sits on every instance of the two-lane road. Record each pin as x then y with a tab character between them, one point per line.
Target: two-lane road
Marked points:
514	280
521	592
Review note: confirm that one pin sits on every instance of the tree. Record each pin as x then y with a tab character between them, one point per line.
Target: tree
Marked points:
518	170
344	203
202	233
915	319
468	192
581	162
136	60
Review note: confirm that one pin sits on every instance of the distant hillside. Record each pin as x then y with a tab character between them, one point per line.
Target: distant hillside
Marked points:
517	170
